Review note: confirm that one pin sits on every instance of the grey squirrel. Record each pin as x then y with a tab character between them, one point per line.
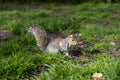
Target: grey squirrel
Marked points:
53	46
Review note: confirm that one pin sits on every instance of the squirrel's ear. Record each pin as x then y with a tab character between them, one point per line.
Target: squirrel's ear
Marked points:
71	35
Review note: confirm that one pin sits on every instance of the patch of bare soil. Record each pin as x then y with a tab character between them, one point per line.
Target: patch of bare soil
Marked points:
115	43
5	35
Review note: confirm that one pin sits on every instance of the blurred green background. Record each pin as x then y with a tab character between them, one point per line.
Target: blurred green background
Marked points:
59	1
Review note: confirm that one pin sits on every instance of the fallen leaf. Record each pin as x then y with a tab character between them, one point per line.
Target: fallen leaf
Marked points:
112	43
97	75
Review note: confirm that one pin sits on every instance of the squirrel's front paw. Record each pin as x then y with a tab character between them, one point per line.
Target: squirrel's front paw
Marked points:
67	54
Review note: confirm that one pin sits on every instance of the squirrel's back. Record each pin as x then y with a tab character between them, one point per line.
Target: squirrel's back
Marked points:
40	35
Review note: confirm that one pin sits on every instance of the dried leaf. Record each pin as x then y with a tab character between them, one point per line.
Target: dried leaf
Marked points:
97	75
112	43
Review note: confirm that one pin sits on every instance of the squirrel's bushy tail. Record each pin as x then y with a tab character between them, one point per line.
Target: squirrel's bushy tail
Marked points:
40	35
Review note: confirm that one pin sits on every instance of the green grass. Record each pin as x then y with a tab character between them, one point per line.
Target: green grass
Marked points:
21	58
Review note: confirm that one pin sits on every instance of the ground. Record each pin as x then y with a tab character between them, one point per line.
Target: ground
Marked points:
98	24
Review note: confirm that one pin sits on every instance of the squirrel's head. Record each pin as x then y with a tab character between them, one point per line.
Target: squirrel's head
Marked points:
71	40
